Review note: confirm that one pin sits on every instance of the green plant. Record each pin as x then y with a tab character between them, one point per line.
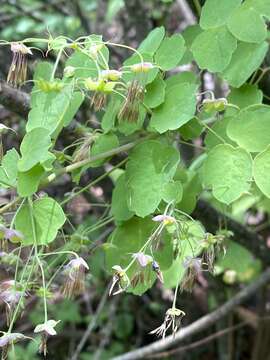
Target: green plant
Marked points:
147	112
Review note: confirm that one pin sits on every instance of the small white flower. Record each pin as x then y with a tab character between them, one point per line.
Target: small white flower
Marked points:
47	327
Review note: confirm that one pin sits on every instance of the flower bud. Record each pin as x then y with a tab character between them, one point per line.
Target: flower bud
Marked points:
143	67
69	71
112	75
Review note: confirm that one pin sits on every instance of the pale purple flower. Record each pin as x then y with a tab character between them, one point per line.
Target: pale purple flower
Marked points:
193	268
166	219
75	283
142	259
13	235
11	338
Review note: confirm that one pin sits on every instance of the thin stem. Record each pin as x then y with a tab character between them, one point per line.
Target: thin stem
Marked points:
56	63
38	259
175	295
85	162
94	182
24	289
9	205
198	7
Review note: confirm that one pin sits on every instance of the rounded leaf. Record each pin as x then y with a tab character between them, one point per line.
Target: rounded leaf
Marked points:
228	172
261	170
213	49
250	128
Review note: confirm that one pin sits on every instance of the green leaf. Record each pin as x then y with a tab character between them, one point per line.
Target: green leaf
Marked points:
55	109
34	149
243	97
110	115
8	169
28	181
213	49
191	130
48	217
152	42
218	134
136	232
103	143
262	6
246	24
83	64
43	70
217	12
145	78
228	172
189	247
238	259
155	93
191	190
119	207
189	35
74	104
261	168
179	107
245	60
172	192
250	128
170	52
180	78
128	128
151	165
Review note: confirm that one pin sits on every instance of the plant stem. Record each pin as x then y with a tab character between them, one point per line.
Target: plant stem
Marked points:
85	162
197	6
94	182
9	205
56	63
38	259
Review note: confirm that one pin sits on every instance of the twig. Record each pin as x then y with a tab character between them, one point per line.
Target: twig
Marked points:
106	334
211	217
91	325
198	325
187	12
14	100
201	342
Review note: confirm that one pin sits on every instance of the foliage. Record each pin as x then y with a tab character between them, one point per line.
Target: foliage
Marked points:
147	112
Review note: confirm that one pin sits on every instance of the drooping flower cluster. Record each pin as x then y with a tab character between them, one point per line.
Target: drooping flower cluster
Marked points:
10	294
18	69
75	280
172	320
46	329
8	339
6	234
